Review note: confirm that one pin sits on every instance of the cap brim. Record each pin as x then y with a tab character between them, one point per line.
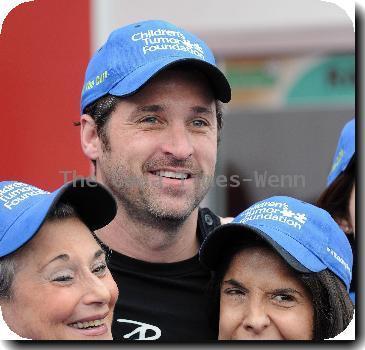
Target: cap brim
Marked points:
346	163
226	236
93	203
139	77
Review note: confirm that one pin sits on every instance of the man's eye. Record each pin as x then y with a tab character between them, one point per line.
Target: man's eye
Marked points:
149	120
199	123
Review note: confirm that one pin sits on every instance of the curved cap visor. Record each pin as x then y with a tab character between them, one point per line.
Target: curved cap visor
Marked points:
226	236
93	203
142	75
345	151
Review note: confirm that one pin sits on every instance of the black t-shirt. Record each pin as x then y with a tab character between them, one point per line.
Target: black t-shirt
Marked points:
164	301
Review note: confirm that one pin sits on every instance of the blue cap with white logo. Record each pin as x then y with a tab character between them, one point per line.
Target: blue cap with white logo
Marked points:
24	208
135	53
305	236
344	152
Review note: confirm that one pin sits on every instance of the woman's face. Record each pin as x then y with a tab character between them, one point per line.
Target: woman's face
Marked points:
261	299
62	288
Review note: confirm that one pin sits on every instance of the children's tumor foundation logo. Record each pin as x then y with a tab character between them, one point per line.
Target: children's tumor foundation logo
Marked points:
13	194
162	39
275	211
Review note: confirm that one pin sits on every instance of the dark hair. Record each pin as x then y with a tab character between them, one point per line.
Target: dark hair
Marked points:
62	211
7	273
101	109
333	308
336	197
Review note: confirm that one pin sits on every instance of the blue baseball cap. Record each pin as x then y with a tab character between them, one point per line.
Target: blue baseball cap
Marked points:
344	152
24	208
306	237
134	54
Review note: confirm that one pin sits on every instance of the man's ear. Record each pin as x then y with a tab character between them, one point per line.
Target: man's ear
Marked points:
90	141
345	225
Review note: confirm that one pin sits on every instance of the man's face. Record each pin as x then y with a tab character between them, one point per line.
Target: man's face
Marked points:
163	147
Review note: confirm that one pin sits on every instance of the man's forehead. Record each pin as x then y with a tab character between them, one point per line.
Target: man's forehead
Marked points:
182	72
194	81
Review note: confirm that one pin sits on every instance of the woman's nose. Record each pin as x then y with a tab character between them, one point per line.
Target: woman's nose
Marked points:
256	318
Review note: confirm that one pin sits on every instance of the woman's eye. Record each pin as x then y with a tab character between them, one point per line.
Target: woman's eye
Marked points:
234	291
100	269
284	298
62	278
199	123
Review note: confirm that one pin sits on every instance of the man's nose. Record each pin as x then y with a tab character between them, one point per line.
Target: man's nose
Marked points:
177	142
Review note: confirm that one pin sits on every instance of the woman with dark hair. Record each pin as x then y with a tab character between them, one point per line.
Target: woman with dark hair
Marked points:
339	196
282	270
54	281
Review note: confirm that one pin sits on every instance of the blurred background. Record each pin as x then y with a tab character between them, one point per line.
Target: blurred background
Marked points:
291	64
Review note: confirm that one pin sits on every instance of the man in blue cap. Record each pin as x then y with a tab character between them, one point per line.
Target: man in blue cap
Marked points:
151	116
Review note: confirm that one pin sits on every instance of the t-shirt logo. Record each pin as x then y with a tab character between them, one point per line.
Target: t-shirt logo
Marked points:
141	330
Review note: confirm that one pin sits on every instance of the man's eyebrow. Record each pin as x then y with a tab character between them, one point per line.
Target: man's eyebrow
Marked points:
150	108
202	110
